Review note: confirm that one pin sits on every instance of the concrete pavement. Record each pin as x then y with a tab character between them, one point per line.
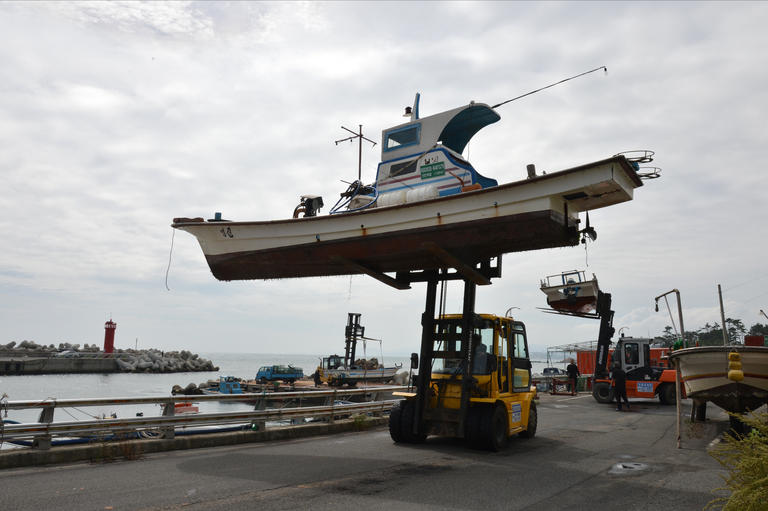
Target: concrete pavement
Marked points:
584	456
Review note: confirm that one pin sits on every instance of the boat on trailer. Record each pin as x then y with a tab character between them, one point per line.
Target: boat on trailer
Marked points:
428	208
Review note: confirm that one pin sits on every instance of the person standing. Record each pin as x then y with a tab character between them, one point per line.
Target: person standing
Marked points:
573	376
619	381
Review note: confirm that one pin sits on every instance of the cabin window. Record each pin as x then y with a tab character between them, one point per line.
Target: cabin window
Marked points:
401	169
631	353
402	137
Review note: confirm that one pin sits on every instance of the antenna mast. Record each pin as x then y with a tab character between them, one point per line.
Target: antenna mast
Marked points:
360	137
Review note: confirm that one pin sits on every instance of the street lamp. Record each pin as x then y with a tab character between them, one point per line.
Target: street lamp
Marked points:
679	311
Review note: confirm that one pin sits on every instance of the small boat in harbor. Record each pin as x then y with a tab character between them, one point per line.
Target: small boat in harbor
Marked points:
571	292
705	373
427	208
226	385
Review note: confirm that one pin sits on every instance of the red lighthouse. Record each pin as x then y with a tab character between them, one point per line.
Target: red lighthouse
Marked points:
109	336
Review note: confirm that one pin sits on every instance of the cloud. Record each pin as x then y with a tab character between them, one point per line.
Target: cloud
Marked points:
116	117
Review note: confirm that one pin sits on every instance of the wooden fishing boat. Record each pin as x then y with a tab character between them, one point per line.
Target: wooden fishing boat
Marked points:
428	208
704	371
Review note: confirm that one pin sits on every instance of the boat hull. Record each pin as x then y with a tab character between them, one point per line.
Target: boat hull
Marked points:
527	215
704	372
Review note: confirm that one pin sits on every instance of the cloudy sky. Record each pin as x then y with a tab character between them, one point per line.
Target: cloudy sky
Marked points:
116	117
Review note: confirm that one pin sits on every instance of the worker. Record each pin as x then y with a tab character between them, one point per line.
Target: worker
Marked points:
480	361
619	382
573	376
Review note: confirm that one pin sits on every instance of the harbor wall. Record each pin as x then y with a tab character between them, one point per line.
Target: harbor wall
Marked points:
39	361
55	365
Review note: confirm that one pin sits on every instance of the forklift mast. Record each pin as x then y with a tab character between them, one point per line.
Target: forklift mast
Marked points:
606	333
352	333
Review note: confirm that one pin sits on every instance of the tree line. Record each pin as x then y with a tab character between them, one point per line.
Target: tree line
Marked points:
712	335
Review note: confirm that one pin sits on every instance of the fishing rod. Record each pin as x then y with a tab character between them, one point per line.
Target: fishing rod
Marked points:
552	85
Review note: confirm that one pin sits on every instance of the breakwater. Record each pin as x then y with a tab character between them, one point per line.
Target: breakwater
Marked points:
31	358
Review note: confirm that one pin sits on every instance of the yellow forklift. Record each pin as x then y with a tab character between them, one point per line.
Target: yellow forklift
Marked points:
474	378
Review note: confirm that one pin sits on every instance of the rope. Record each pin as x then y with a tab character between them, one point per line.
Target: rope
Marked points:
169	261
552	85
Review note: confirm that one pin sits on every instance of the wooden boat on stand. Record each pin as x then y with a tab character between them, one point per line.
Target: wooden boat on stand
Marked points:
735	378
428	208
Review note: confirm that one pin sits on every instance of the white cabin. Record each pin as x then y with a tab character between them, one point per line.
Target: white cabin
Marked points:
421	159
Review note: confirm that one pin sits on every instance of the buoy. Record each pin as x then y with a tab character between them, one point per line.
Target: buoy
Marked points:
734	367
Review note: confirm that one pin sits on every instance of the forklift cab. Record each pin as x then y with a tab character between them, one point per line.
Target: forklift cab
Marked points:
635	357
498	348
332	362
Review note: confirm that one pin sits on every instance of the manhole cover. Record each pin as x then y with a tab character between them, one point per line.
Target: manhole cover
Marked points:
628	467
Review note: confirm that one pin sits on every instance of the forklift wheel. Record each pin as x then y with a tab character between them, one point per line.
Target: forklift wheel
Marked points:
396	423
533	422
603	393
495	427
472	429
407	418
667	394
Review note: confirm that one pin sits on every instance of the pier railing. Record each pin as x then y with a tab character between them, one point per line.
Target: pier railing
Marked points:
42	433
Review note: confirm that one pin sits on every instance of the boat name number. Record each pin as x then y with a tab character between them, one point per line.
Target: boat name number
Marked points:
432	170
227	233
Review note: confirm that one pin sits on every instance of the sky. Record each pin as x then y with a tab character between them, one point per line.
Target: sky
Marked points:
116	117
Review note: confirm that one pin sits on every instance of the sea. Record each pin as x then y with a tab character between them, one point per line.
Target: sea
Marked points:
121	385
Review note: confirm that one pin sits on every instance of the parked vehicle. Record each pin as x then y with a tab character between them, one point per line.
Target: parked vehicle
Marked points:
287	373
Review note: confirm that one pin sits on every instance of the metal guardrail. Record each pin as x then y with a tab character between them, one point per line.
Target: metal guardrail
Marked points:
252	396
43	431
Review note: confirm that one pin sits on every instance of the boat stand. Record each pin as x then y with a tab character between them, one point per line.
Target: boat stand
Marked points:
472	275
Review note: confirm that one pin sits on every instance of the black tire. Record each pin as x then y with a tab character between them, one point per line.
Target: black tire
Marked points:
602	392
396	423
262	380
494	427
667	394
472	427
533	422
407	420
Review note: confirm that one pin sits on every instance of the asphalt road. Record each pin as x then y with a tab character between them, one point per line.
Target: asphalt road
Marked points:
584	456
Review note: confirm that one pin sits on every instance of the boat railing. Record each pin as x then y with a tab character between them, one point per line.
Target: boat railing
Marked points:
562	279
165	426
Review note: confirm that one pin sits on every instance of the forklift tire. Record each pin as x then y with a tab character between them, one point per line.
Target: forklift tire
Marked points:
667	394
603	393
472	427
396	423
407	419
533	422
495	427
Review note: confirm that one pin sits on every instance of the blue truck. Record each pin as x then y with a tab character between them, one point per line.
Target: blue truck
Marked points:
287	373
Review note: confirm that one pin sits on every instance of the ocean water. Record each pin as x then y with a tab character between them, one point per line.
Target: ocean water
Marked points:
69	386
